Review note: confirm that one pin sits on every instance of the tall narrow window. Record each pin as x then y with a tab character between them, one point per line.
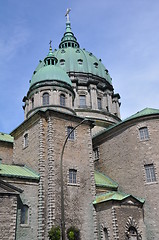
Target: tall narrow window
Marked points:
45	99
62	100
105	234
32	102
26	140
144	135
150	173
96	153
71	132
99	100
24	215
72	176
82	99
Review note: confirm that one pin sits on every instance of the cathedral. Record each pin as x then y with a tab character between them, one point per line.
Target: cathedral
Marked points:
73	163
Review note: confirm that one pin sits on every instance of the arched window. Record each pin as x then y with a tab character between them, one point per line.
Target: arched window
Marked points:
105	234
24	215
45	99
62	100
26	140
96	65
80	61
132	233
62	61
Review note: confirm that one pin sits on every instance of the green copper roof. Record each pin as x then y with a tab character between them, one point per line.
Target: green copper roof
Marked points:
79	60
18	172
71	58
114	195
144	112
6	138
49	72
102	180
68	39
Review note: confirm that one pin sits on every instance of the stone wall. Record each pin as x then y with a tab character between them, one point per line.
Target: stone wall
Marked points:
28	197
43	153
77	197
8	213
123	156
117	217
29	154
6	152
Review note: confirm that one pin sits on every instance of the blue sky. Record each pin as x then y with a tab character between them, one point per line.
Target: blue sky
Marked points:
124	34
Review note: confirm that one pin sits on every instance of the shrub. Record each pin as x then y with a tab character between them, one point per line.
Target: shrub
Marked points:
73	233
54	233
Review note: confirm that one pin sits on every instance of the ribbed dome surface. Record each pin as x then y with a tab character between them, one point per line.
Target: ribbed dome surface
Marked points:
79	60
49	72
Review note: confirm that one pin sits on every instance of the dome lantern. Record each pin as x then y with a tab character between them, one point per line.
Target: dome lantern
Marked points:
68	39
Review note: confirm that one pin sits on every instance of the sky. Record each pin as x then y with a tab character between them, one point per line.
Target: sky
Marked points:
124	34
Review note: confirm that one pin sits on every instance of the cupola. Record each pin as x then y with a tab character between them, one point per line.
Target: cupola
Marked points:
50	87
68	40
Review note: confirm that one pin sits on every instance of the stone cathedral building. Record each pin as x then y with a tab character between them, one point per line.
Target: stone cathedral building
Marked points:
73	161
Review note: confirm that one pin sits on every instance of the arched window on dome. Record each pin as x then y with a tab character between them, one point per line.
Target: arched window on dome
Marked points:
96	65
45	99
62	100
80	61
62	61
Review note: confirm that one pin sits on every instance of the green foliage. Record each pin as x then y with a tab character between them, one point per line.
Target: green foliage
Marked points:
54	233
73	233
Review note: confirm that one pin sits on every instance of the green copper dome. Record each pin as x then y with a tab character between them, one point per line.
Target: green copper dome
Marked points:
50	72
71	58
79	60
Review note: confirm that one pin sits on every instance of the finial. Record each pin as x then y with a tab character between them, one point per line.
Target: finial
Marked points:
67	14
50	45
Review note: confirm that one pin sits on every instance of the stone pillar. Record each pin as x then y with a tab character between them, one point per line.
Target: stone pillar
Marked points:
51	100
109	101
105	102
93	96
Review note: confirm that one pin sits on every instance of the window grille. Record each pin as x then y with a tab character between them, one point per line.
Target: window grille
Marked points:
62	100
144	135
45	99
72	135
150	173
82	99
72	176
